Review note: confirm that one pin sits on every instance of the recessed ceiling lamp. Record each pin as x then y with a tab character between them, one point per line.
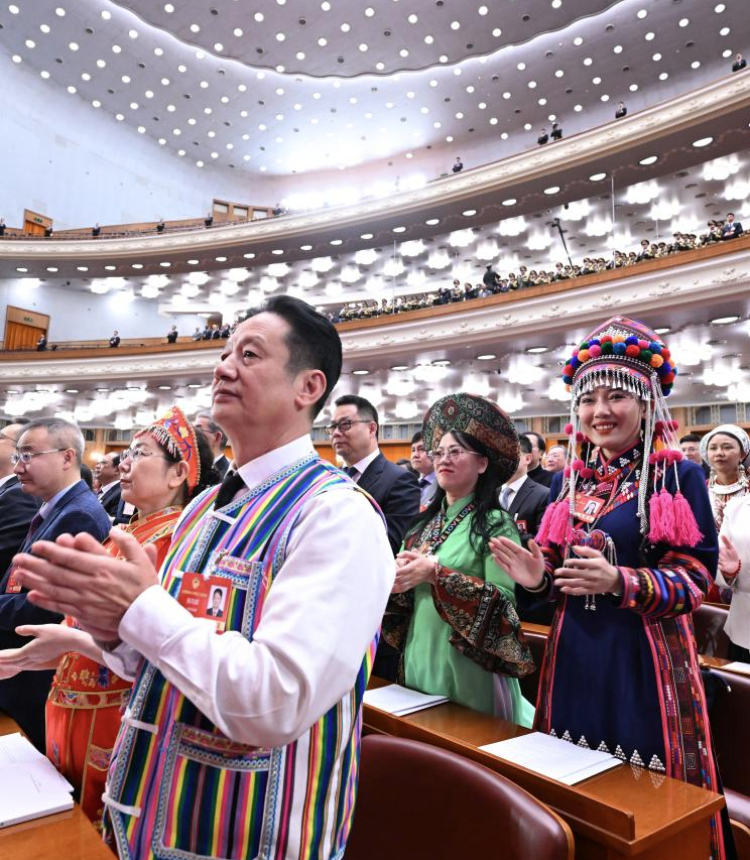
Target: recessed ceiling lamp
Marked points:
366	236
726	320
704	141
360	372
442	362
21	269
537	350
664	330
52	269
553	189
469	212
650	159
486	356
400	367
195	384
399	230
432	222
165	388
71	391
597	177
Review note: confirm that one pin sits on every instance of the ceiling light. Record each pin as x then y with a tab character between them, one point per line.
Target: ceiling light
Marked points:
486	356
663	330
704	141
164	387
398	367
537	350
553	189
650	159
597	177
360	372
469	212
726	320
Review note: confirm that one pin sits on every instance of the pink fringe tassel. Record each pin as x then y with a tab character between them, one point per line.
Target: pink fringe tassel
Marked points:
655	519
687	532
667	516
554	527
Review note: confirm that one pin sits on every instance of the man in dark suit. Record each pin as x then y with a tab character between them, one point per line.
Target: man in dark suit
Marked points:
114	341
422	464
536	471
48	465
354	436
107	473
17	508
217	440
731	229
525	500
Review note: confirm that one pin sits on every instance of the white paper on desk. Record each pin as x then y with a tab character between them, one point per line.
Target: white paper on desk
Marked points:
742	668
552	757
30	785
401	701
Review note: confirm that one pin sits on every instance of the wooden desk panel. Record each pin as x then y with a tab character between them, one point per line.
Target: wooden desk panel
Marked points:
64	836
624	812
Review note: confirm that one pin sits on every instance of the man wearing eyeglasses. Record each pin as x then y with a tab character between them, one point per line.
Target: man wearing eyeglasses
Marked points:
47	461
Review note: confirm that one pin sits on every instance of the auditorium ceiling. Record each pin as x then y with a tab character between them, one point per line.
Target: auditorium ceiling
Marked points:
293	87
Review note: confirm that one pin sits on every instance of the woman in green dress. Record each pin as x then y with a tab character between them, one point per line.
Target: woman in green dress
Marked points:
452	612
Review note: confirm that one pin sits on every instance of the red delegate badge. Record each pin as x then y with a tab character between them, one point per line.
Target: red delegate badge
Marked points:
206	597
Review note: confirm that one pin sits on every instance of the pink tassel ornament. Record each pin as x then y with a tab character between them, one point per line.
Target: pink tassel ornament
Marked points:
687	532
655	522
554	526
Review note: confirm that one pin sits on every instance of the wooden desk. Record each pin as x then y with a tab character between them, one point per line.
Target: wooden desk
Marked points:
625	812
64	836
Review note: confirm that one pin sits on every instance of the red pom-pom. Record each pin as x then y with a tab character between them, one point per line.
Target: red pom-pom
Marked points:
673	425
566	472
607	338
665	353
658	428
587	472
568	429
633	350
667	379
580	437
577	465
653	458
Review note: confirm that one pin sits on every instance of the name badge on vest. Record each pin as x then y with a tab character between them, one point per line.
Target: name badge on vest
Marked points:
587	508
522	526
13	586
206	597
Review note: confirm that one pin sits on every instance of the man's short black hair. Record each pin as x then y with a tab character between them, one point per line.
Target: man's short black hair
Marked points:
313	342
417	437
116	461
540	443
218	591
525	444
365	409
690	437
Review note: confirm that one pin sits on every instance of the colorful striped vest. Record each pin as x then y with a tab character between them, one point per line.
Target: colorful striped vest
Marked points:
180	789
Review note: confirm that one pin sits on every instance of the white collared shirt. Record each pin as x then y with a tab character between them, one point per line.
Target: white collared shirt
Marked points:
318	621
514	487
106	488
365	462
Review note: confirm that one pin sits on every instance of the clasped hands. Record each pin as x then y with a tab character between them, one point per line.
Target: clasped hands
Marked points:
588	572
75	575
413	568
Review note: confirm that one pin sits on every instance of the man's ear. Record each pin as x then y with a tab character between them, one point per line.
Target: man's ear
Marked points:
312	386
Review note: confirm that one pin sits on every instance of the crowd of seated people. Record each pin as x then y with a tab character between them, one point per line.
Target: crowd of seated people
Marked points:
494	283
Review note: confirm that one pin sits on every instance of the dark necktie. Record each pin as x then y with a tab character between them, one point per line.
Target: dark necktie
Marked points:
505	498
36	521
230	486
352	472
423	482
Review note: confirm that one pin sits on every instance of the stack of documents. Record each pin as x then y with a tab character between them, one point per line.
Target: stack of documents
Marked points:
400	700
553	757
30	786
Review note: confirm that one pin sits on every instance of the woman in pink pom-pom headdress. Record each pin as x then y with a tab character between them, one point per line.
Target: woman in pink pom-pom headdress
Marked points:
627	549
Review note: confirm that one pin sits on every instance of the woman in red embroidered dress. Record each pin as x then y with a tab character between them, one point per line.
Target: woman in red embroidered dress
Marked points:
159	474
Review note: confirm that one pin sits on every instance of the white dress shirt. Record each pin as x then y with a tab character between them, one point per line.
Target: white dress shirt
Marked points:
364	463
736	526
514	487
319	618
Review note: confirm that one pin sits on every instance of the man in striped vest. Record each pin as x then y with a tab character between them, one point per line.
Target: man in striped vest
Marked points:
241	737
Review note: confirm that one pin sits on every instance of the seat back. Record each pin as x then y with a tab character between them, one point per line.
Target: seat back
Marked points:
709	620
741	840
418	801
729	720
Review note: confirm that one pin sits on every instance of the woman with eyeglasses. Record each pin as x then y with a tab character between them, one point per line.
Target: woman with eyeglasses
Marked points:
452	612
167	465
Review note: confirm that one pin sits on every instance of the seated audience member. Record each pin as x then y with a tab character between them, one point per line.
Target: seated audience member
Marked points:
207	332
107	474
554	460
277	210
41	344
160	225
216	439
87	476
114	341
543	137
215	332
690	445
288	674
172	335
731	228
458	166
2	226
556	133
48	464
452	616
209	220
536	471
197	334
165	467
739	63
226	330
621	111
96	231
524	499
